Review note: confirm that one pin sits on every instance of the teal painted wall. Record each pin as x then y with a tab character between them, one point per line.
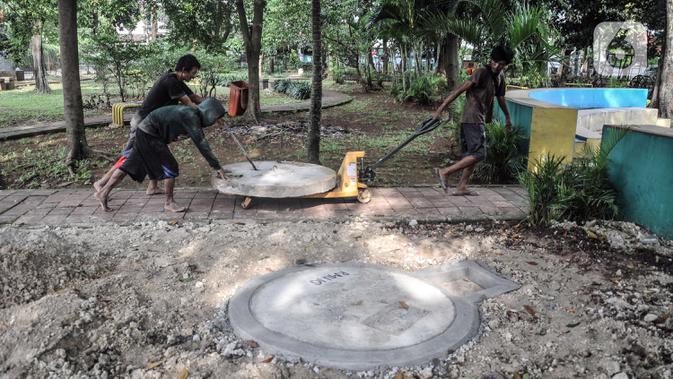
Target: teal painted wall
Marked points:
641	169
522	118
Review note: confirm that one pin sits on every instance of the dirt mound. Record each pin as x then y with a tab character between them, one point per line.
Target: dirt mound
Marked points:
33	267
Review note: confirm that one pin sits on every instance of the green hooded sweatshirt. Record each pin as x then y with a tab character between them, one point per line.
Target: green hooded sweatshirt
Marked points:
170	122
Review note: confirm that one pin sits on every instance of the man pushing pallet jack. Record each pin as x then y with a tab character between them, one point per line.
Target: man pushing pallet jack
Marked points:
292	179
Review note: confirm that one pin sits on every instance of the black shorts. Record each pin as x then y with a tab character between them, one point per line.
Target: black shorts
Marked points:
473	140
150	157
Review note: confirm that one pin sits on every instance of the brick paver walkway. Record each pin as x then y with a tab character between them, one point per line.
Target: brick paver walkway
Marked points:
79	206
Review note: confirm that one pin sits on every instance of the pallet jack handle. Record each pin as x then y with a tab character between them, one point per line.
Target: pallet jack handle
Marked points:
426	126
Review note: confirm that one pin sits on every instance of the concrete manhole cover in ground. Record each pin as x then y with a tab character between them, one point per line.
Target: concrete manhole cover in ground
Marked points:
276	179
357	316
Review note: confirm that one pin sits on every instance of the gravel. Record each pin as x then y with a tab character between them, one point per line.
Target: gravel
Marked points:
150	300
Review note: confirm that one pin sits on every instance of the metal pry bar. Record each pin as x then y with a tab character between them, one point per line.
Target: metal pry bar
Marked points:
240	146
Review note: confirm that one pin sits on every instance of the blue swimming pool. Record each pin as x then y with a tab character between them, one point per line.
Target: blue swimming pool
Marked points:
589	98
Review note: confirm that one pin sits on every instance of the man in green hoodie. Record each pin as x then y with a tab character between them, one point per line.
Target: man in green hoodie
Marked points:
151	156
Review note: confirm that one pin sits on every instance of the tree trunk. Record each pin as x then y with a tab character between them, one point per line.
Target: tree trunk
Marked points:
272	64
386	56
565	66
153	20
72	92
252	38
39	68
417	61
313	143
665	97
657	83
448	59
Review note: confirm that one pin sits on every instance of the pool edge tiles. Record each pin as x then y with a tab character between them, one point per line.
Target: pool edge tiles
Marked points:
551	128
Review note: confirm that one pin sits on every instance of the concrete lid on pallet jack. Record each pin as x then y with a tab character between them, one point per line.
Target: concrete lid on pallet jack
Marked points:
354	316
276	179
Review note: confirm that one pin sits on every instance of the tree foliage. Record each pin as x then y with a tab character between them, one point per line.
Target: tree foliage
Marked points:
206	22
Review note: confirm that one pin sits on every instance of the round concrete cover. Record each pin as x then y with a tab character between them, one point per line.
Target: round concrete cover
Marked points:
351	316
276	179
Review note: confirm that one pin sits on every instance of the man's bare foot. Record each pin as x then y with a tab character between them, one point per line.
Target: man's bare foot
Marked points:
153	191
174	207
103	201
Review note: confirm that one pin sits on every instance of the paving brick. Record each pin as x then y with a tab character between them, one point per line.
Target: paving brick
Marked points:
27	220
206	194
399	203
11	201
421	203
83	211
449	211
470	211
184	194
28	204
8	219
54	220
385	192
58	211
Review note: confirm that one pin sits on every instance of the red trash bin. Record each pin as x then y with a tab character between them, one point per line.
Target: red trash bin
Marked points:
238	98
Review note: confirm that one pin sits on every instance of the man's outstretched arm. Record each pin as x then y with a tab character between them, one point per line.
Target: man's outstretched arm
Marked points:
452	96
505	110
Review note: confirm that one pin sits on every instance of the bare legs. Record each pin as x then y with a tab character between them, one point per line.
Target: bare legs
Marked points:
152	187
104	192
117	175
467	165
170	204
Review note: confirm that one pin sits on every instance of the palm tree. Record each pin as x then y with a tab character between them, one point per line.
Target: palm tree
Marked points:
524	28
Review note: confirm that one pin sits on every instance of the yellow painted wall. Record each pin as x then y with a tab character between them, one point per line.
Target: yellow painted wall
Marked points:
552	132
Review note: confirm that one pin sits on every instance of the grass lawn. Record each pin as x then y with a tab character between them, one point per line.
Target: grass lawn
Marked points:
24	105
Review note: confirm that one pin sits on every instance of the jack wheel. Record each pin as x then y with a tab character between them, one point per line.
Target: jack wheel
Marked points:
364	196
246	203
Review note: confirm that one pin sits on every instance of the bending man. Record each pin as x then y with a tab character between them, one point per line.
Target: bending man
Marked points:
150	155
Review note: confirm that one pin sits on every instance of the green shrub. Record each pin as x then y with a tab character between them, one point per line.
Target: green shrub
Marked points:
424	89
282	85
542	184
579	191
300	90
338	74
504	161
297	90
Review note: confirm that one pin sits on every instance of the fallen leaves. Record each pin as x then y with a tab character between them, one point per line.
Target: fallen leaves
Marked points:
154	364
184	373
251	344
530	310
404	305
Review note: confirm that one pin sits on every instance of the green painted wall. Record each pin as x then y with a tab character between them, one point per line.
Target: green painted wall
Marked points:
522	118
641	169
